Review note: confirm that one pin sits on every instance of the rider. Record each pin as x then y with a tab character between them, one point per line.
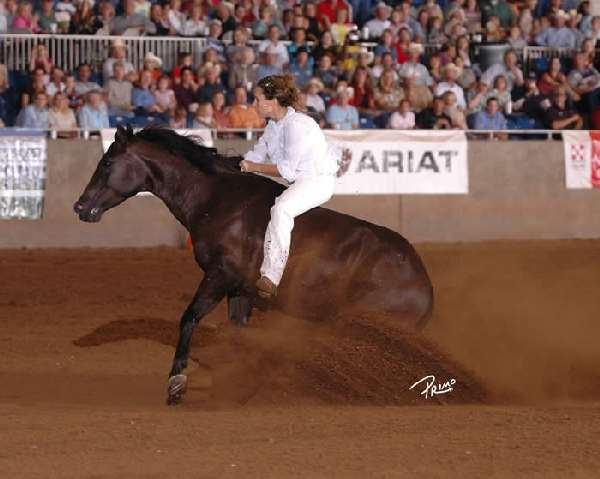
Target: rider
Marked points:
293	147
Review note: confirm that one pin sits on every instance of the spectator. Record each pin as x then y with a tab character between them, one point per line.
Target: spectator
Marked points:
24	20
273	43
36	114
377	25
212	84
64	12
500	9
342	25
184	59
75	100
93	114
265	20
435	32
420	96
40	59
327	74
501	94
165	96
490	118
326	11
387	95
454	111
161	21
559	116
269	66
175	16
451	72
119	93
47	19
435	68
61	117
204	117
194	26
301	70
516	40
153	64
103	20
584	79
224	13
219	114
84	85
56	84
477	97
179	119
325	47
414	68
185	91
594	30
558	36
215	30
242	115
363	91
83	21
534	103
118	51
313	29
37	85
434	118
342	115
466	78
143	99
10	11
403	118
509	69
313	99
131	23
240	43
298	36
243	73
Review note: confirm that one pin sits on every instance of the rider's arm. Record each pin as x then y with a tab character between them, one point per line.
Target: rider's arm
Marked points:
259	154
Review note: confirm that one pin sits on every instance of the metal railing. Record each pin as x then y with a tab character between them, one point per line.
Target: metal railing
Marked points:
533	53
69	51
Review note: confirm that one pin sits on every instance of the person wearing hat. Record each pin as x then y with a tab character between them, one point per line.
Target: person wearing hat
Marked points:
377	25
414	68
451	73
272	42
269	66
558	35
117	54
342	115
130	20
301	69
153	64
313	99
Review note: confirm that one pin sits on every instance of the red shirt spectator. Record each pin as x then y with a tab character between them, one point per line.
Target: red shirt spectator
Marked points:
327	11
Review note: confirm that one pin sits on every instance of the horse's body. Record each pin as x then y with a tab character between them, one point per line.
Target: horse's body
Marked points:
337	263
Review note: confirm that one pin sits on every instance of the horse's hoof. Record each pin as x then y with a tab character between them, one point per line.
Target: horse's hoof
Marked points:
177	386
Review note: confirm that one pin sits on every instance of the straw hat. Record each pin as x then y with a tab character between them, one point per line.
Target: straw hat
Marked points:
385	6
415	48
118	43
151	57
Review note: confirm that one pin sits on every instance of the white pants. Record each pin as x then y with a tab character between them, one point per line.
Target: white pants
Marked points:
303	195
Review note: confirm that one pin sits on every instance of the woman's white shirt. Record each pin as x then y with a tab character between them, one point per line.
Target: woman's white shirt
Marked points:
297	145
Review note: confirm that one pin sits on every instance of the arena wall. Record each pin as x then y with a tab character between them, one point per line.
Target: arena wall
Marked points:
516	192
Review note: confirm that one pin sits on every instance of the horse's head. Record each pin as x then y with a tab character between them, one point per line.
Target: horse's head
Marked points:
119	175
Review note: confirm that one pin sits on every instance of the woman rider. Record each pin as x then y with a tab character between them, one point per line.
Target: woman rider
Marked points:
293	147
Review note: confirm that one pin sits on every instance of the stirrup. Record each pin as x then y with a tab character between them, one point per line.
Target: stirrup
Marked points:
266	289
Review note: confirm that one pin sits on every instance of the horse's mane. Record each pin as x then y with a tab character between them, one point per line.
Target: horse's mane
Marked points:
208	160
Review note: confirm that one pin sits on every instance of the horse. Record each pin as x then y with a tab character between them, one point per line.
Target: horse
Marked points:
337	263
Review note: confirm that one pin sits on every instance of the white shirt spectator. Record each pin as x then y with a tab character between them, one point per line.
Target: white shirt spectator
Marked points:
443	87
376	27
402	122
283	57
176	20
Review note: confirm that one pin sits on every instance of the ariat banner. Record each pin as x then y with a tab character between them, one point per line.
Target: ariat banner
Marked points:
401	162
22	176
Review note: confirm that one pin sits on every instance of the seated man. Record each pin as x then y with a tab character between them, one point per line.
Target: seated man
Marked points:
84	85
559	116
119	93
93	114
491	118
342	115
130	22
434	118
143	99
35	115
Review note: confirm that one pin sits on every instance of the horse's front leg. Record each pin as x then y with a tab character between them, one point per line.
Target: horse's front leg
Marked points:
212	290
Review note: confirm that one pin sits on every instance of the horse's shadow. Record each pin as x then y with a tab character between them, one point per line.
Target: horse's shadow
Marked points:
282	359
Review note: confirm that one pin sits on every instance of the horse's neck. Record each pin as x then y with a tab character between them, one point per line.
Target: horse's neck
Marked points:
184	189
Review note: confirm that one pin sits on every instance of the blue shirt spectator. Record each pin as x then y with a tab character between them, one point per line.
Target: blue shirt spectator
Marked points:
141	96
36	114
490	118
343	116
301	69
93	115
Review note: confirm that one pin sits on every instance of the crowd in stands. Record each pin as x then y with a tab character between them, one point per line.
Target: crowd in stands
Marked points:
421	73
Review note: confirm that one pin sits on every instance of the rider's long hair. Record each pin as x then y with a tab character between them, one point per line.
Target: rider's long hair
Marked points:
281	87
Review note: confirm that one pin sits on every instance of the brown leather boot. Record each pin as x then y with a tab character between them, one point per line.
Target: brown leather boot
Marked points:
266	288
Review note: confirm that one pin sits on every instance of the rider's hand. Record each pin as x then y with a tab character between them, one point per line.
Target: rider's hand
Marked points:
246	166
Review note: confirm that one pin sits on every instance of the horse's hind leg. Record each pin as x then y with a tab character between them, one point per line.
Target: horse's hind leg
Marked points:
211	291
239	308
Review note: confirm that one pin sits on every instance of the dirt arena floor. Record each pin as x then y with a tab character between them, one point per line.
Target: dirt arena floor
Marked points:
87	339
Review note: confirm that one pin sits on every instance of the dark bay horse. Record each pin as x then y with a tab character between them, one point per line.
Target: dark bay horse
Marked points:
337	263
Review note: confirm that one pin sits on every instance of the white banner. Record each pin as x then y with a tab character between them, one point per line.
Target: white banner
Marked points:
108	136
582	159
22	176
394	162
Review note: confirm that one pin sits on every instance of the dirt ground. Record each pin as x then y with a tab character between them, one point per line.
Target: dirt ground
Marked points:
87	338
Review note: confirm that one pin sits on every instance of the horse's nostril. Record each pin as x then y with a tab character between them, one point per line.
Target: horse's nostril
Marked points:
77	207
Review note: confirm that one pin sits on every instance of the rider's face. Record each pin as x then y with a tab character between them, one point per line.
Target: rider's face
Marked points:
264	107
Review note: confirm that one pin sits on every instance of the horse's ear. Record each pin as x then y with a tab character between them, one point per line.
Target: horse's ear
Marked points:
121	136
129	130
